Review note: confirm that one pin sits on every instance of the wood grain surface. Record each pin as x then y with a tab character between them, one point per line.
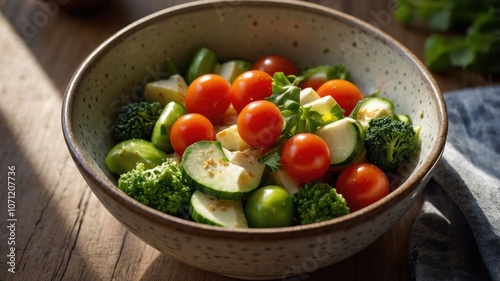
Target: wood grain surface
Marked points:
60	230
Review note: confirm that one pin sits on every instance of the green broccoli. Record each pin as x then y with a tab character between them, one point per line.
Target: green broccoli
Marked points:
318	201
136	120
389	142
161	188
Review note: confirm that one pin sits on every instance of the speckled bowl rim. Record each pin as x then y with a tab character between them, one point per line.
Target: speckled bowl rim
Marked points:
351	220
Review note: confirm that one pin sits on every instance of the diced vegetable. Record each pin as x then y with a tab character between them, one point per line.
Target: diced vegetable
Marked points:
308	95
345	138
283	179
328	108
166	90
211	210
230	139
232	68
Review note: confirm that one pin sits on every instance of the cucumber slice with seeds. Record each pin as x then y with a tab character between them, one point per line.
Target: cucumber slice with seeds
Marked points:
372	107
211	210
207	168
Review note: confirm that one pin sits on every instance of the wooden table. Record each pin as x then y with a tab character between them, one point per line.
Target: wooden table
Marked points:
60	229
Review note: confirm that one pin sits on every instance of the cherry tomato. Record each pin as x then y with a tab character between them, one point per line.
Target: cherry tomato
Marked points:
189	129
344	92
362	184
305	157
275	63
314	81
208	95
250	86
269	206
260	123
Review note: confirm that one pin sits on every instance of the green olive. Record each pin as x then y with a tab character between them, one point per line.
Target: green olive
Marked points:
124	156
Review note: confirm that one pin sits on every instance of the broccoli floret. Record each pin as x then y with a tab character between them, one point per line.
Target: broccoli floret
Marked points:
161	188
389	142
318	201
136	120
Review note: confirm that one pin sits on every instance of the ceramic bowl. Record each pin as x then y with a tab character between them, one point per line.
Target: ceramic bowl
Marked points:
116	72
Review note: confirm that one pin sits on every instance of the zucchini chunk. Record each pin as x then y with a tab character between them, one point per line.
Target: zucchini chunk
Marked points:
233	68
166	90
345	138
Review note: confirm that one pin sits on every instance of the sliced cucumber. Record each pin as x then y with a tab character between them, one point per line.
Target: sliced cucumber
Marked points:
372	107
214	211
166	90
345	138
207	168
232	68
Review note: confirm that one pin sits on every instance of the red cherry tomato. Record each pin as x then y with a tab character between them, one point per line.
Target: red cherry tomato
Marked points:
344	92
189	129
305	157
362	184
250	86
314	81
208	95
275	63
260	123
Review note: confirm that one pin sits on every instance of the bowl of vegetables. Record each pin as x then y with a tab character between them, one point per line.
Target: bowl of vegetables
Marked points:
254	139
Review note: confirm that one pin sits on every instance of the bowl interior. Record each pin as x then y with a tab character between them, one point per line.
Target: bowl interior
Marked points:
118	70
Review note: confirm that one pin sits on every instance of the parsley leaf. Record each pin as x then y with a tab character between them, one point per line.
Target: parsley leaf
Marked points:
297	118
272	160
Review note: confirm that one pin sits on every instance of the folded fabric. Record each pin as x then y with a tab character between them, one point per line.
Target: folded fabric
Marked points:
456	235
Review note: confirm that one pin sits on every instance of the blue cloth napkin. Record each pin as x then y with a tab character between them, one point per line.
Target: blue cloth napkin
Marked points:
456	235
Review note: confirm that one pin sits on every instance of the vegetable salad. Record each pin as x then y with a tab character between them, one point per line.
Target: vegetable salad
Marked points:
258	144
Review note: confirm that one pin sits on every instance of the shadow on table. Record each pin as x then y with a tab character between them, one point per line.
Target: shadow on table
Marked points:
41	240
159	269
